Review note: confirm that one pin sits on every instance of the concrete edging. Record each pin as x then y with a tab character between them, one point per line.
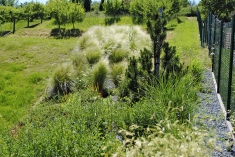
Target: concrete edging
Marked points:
229	125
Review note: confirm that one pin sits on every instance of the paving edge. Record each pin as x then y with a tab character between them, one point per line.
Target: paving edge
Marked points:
229	125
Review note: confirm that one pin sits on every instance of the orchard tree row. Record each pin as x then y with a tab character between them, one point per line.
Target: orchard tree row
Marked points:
61	10
67	10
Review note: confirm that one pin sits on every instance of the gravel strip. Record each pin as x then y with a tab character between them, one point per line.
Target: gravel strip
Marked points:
212	117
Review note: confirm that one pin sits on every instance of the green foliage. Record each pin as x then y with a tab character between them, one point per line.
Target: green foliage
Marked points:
57	10
33	8
196	70
143	8
170	61
8	2
62	81
146	61
220	8
112	7
130	85
75	13
93	56
99	75
155	27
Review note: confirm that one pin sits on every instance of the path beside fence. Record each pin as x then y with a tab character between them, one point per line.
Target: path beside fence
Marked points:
219	38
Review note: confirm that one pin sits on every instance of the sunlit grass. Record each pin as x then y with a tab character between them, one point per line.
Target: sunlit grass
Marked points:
26	65
187	41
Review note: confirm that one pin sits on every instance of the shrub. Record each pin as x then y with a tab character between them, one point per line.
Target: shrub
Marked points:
117	71
62	81
146	60
170	61
99	75
93	56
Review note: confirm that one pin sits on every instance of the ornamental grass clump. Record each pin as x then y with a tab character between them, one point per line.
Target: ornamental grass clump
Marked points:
118	55
99	75
79	62
93	55
117	72
62	80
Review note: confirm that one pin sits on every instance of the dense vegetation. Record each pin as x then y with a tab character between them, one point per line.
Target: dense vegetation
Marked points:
102	96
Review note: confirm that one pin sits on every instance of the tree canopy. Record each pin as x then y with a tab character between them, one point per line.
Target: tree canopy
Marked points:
143	8
64	11
221	8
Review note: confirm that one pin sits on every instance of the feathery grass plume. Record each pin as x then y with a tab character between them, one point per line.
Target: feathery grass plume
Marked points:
117	72
168	139
99	74
93	55
62	80
110	38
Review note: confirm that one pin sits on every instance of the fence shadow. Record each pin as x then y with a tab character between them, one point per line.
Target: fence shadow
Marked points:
63	33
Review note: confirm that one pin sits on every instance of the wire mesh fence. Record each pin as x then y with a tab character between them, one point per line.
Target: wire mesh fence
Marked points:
219	38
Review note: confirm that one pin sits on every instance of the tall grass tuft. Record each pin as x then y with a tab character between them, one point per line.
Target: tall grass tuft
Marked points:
99	74
79	62
118	55
93	55
62	80
196	69
117	72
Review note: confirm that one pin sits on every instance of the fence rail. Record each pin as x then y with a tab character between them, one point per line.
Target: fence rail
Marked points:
219	38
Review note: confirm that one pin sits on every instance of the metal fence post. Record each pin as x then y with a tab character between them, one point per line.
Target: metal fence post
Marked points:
230	68
209	32
220	54
203	34
213	45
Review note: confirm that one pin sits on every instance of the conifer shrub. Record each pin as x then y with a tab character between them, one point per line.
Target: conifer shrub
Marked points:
146	61
171	61
62	80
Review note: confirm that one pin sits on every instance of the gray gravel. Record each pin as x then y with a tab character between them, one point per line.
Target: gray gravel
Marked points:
211	118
